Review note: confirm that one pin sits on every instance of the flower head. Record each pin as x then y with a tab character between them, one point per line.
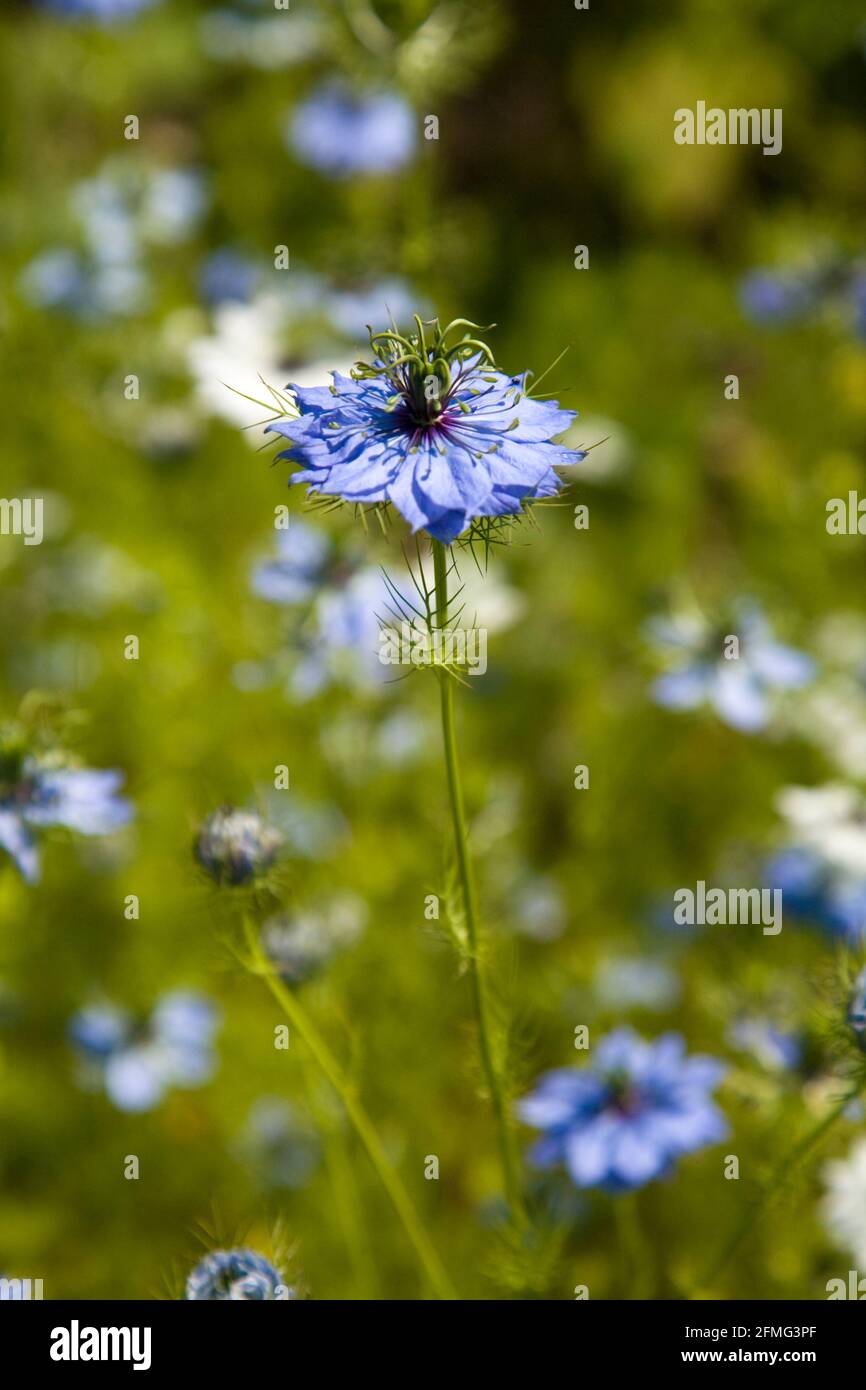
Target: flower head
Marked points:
433	429
738	688
235	1276
137	1062
236	846
341	133
299	945
626	1120
35	794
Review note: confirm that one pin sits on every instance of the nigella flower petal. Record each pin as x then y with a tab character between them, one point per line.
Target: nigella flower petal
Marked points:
17	841
559	1093
81	800
589	1152
739	698
781	665
134	1079
684	688
295	574
635	1158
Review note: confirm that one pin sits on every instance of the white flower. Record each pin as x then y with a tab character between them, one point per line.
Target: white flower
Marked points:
843	1207
831	820
245	351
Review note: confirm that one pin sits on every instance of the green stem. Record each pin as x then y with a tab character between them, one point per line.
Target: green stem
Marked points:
345	1192
639	1256
480	1000
324	1058
754	1209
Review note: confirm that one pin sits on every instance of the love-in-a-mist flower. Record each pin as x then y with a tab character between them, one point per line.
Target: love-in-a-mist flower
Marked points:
626	1119
774	297
236	1276
236	846
339	641
432	428
36	793
821	872
104	10
137	1062
341	132
738	687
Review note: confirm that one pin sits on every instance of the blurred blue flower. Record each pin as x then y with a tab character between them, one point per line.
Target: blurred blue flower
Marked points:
352	310
138	1065
299	569
341	133
775	297
773	1048
280	1144
625	1120
475	446
75	283
99	1030
737	688
35	795
340	643
227	275
300	944
235	1276
818	891
103	10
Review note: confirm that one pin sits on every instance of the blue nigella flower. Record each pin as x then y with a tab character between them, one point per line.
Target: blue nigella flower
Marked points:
738	689
235	1276
236	846
341	133
137	1064
626	1119
773	1048
227	276
815	890
352	310
775	297
104	10
347	601
300	568
35	795
280	1144
99	1030
435	430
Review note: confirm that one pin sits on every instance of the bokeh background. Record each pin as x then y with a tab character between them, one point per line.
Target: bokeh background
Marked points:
154	258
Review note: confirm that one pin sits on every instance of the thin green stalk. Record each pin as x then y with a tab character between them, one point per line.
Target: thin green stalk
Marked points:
345	1191
754	1209
324	1058
638	1252
480	1001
